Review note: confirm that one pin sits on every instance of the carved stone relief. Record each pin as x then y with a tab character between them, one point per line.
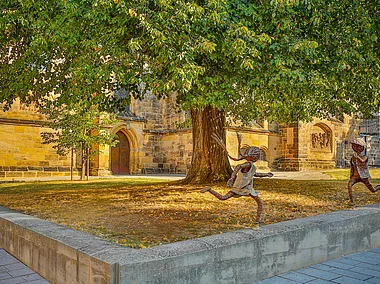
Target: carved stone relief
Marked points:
321	139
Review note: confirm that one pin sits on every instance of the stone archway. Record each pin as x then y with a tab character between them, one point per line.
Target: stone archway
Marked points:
120	155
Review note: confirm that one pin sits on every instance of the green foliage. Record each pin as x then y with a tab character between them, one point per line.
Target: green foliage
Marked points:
283	60
76	127
185	124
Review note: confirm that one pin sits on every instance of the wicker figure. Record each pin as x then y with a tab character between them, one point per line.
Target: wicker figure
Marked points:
359	168
241	179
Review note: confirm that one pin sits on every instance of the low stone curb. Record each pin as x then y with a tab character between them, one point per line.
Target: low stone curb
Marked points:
63	255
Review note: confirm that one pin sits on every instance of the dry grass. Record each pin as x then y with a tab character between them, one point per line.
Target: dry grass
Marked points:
143	213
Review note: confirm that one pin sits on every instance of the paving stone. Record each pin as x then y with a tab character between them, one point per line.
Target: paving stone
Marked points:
5	275
322	266
366	271
369	266
338	264
375	250
348	261
279	280
319	281
366	259
39	282
12	271
7	260
352	274
325	275
347	280
33	277
21	272
16	280
374	280
373	254
15	266
298	277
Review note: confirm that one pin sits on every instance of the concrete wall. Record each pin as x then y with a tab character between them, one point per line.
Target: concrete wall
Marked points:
59	254
63	255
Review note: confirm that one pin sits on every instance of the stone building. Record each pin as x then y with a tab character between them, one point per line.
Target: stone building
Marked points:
156	138
319	144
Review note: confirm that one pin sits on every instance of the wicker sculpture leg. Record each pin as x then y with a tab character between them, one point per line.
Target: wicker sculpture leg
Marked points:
366	182
259	208
350	185
232	194
218	195
369	185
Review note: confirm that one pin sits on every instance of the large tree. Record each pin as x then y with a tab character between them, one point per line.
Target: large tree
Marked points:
283	60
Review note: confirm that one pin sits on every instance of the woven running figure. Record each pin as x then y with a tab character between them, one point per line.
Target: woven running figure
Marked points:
359	168
241	179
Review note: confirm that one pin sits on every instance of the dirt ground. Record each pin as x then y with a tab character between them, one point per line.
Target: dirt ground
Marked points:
143	212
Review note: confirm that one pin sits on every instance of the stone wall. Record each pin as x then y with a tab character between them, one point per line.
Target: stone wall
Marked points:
258	136
166	146
316	145
161	142
288	159
22	152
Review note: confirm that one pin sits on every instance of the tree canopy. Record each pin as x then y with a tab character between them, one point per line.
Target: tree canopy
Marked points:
283	60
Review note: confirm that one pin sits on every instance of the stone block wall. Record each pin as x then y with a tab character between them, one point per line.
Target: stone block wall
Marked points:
288	160
178	150
167	151
59	254
160	114
161	142
22	152
316	145
260	137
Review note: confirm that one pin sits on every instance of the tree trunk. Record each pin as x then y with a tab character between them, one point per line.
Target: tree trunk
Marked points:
82	166
209	161
88	164
72	164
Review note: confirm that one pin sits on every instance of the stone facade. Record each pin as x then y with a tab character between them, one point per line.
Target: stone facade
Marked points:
22	152
319	144
156	138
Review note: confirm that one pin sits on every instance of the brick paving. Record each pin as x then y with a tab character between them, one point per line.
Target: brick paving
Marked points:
12	271
358	268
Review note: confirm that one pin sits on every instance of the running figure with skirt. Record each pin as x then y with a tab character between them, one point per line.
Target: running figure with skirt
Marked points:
241	179
359	168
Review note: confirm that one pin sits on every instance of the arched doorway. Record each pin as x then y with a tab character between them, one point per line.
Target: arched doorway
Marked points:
120	155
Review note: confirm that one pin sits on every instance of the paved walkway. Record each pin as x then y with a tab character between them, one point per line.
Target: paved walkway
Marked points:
12	271
303	175
358	268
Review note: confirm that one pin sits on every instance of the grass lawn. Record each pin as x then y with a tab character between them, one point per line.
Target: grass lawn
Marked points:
343	174
141	213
